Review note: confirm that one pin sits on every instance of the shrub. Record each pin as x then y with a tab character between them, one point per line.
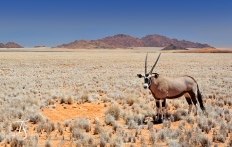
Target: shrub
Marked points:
15	125
82	124
150	125
194	141
84	97
117	141
114	110
181	125
36	118
142	141
205	141
190	119
105	99
48	143
152	137
78	134
167	123
15	142
31	141
103	143
130	99
219	138
173	143
174	134
139	118
230	142
180	114
132	124
162	135
104	138
63	100
97	129
70	99
109	119
48	127
2	137
67	122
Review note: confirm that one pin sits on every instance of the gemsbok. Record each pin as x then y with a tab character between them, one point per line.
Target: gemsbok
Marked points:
163	88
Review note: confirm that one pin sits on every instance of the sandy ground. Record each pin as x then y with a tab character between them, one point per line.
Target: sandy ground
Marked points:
75	67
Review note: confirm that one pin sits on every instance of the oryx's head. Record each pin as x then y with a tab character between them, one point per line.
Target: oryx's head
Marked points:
147	76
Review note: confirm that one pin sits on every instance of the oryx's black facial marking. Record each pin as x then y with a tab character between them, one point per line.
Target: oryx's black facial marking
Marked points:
147	81
156	75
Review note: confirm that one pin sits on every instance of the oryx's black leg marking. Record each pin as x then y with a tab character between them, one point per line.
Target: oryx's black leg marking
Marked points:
189	101
157	118
164	103
193	97
194	100
157	103
164	108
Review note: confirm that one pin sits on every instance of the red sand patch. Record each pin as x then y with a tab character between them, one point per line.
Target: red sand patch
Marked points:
61	113
206	50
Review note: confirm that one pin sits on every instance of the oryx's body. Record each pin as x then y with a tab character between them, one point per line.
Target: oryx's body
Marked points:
166	87
163	88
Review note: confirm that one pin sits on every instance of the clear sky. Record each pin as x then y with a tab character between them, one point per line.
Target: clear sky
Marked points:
54	22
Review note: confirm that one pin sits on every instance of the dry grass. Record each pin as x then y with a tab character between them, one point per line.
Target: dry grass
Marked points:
94	98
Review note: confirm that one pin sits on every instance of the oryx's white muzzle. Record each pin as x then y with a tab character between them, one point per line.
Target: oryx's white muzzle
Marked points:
145	86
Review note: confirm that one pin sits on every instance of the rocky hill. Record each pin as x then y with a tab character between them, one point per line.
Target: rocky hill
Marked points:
10	45
174	47
126	41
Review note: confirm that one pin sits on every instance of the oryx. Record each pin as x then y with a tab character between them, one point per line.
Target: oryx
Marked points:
163	88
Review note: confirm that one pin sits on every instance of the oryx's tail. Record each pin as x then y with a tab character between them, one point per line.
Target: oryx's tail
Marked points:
199	97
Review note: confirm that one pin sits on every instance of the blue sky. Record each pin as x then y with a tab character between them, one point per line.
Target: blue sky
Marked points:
54	22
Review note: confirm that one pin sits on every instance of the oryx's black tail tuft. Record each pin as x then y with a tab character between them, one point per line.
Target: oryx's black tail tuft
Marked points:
199	97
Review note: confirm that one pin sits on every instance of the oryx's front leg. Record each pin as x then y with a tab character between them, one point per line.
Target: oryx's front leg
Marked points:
163	101
160	109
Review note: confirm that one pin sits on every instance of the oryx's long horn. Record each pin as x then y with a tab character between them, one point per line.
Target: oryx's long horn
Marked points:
154	64
146	65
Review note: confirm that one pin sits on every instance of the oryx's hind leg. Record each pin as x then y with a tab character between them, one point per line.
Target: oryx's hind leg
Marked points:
194	100
189	101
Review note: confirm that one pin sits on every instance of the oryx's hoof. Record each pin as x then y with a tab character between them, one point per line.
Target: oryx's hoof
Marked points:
158	120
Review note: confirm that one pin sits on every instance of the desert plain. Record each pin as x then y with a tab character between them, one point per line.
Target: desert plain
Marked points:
94	98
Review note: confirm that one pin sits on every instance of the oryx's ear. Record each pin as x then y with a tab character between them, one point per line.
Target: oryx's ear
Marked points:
140	75
156	75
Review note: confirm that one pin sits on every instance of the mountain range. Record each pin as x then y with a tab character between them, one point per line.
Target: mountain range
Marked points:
126	41
10	45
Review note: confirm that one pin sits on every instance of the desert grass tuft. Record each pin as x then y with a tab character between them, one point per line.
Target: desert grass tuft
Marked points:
15	142
180	114
152	137
47	143
109	120
36	118
82	124
205	141
2	137
173	143
97	129
150	125
162	135
67	122
114	110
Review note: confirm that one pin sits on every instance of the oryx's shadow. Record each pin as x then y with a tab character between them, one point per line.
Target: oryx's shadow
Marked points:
157	119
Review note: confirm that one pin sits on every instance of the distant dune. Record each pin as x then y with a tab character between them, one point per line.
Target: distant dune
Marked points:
10	45
206	50
126	41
